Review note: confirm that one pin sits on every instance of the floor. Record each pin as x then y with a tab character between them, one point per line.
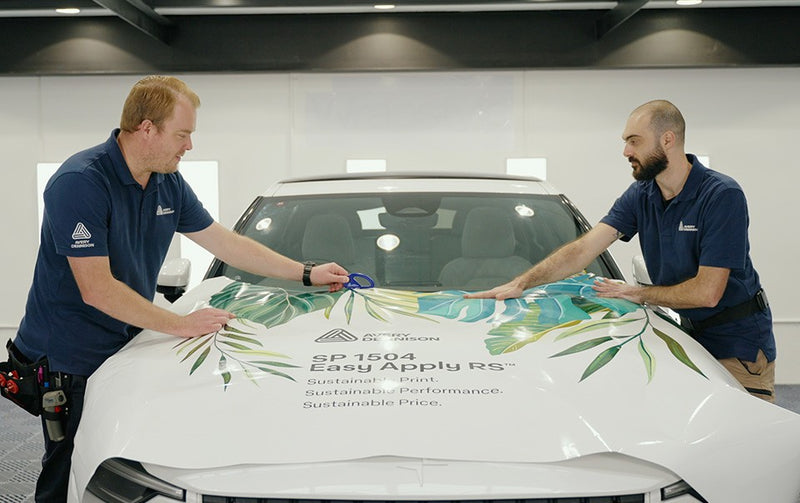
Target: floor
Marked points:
21	446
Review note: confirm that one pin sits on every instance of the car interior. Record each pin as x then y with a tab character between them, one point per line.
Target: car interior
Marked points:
413	241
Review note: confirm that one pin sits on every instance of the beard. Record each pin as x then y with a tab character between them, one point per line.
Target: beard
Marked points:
654	163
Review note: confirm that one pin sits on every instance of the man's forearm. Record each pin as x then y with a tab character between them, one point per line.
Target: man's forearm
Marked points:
564	262
681	296
247	254
121	302
253	257
703	290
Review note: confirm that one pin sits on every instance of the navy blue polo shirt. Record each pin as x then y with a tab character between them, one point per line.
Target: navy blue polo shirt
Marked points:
93	207
704	225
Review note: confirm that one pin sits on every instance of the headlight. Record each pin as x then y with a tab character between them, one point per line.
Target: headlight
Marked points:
679	488
123	481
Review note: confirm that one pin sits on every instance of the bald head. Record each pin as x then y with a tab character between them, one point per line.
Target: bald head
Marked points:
663	116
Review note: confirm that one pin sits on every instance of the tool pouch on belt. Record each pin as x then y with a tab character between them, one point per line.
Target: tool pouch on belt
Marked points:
21	380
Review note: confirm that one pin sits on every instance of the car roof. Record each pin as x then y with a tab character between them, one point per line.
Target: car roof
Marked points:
350	183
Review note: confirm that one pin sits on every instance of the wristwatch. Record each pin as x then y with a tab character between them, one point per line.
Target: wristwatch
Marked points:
307	273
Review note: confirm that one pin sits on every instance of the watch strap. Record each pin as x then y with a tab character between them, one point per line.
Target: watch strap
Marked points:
307	273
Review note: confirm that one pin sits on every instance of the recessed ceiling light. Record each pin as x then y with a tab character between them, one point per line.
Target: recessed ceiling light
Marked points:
70	10
384	6
688	2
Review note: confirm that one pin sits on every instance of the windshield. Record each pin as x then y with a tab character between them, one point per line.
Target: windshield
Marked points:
415	241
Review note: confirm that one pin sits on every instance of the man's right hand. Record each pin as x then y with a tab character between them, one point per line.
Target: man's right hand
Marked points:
203	321
508	291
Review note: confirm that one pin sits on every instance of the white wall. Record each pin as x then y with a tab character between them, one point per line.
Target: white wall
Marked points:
264	127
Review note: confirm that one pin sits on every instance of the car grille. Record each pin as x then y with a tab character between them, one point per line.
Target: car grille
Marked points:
631	498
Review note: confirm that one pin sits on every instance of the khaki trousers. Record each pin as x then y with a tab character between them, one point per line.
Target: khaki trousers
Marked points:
757	377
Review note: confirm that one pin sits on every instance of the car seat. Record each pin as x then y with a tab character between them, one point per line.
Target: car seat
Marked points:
410	262
328	238
487	252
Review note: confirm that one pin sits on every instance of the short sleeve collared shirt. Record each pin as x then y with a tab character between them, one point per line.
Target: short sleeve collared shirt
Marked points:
94	207
706	224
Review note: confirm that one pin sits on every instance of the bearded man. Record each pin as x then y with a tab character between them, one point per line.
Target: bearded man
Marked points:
693	230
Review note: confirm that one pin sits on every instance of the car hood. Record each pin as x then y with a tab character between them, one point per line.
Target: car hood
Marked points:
319	377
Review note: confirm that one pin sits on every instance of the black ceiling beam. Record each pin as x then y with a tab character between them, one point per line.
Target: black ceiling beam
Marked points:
142	17
653	38
616	16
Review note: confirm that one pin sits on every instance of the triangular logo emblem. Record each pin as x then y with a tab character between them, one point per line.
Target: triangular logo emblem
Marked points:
81	232
337	335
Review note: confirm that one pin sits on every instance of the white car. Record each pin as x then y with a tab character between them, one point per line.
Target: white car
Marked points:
407	391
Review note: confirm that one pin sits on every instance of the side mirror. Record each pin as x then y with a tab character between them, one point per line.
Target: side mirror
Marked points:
173	278
642	278
640	274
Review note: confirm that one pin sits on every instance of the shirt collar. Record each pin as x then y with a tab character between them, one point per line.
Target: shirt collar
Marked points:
693	181
121	167
690	188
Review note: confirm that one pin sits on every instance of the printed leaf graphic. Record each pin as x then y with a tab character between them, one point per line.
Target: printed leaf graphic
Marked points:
242	338
514	335
348	307
583	346
648	359
451	303
276	364
229	329
594	325
256	352
374	310
600	361
200	360
581	286
558	309
578	286
395	299
515	309
619	306
379	302
590	307
192	341
269	306
203	341
677	350
236	345
226	376
275	372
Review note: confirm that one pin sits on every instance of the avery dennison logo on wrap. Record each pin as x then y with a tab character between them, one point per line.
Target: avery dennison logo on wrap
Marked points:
337	335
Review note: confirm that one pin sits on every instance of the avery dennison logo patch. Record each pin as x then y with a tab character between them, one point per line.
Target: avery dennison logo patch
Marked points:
337	335
686	227
164	211
81	235
81	232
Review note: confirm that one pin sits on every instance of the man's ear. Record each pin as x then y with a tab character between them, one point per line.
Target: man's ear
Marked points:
668	140
146	126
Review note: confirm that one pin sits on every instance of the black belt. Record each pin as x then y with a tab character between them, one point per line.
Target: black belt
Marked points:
757	304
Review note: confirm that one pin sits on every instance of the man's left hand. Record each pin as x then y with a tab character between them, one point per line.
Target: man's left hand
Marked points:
618	289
